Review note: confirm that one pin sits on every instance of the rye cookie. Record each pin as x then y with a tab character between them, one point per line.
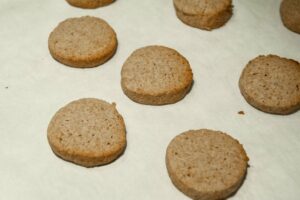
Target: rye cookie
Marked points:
89	3
290	14
272	84
88	132
83	42
204	14
156	75
206	164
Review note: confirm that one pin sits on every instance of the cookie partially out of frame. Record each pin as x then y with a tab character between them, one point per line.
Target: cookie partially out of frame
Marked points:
206	164
156	75
290	14
204	14
272	84
83	42
88	132
89	3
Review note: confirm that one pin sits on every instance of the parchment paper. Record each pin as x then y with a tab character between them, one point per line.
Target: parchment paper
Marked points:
33	87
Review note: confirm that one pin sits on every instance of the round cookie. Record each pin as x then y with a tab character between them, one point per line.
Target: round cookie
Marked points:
290	14
89	3
272	84
82	42
88	132
156	75
206	164
204	14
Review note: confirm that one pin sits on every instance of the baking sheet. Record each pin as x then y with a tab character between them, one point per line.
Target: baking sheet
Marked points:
33	87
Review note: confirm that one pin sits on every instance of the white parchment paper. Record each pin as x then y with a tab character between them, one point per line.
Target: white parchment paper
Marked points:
33	87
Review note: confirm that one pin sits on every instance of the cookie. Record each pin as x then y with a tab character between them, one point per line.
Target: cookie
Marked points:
204	14
156	75
272	84
290	14
89	3
88	132
82	42
206	164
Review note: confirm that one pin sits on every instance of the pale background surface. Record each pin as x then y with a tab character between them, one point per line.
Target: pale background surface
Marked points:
38	86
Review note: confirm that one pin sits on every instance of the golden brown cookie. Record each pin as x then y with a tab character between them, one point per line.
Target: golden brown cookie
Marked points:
272	84
206	164
89	3
204	14
290	14
83	42
156	75
88	132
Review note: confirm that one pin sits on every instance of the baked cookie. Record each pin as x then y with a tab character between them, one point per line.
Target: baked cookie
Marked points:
82	42
204	14
89	3
156	75
290	14
272	84
88	132
206	164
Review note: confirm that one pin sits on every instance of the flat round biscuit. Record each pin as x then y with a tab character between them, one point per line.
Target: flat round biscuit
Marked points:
89	3
82	42
204	14
88	132
272	84
156	75
290	14
206	164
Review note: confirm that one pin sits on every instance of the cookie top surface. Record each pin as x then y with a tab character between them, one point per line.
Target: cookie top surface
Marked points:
87	132
82	42
206	163
156	70
89	3
272	84
202	7
290	14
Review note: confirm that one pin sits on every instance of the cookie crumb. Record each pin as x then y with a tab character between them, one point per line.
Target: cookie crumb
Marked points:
6	87
241	112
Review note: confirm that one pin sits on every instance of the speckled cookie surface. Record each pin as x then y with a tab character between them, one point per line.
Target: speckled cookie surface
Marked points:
272	84
206	164
89	3
290	14
204	14
88	132
156	75
82	42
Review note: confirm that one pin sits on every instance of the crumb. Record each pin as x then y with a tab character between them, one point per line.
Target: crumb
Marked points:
6	87
241	112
